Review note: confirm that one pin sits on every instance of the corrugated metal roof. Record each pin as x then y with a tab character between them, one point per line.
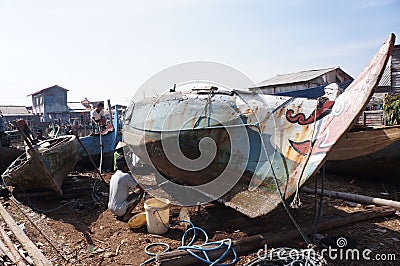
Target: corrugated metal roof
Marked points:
13	110
76	107
55	86
386	80
295	77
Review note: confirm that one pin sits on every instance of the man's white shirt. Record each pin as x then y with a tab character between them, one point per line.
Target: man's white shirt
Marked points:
97	116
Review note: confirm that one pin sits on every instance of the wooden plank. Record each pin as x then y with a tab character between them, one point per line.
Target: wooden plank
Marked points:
17	257
7	252
31	248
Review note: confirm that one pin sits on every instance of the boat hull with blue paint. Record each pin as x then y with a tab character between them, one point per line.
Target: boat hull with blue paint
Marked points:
100	147
92	145
273	144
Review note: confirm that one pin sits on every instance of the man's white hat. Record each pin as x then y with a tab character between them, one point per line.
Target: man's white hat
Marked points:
120	145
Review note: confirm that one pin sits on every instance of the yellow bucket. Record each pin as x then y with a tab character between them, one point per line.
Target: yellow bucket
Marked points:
138	220
157	215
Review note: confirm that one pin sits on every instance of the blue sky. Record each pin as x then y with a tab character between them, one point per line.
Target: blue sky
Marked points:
107	49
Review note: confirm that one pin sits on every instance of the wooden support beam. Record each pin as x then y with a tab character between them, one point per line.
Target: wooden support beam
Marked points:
356	198
182	257
28	245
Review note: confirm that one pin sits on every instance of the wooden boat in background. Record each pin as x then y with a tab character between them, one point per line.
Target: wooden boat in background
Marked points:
289	138
361	143
46	167
373	153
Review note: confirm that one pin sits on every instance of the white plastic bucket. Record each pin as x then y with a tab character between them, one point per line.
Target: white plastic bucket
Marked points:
157	216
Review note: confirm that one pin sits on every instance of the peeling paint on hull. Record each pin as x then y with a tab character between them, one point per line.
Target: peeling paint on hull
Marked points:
289	137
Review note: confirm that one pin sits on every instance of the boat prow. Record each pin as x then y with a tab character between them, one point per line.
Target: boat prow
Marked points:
263	147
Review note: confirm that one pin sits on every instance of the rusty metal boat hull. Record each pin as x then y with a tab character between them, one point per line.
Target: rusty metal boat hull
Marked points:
58	155
288	138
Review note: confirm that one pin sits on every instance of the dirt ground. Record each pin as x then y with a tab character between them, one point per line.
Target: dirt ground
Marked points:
85	232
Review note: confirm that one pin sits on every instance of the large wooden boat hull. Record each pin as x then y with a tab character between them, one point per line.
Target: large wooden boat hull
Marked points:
7	156
288	138
59	156
361	143
372	153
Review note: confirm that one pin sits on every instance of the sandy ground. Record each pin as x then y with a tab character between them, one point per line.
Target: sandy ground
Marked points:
86	233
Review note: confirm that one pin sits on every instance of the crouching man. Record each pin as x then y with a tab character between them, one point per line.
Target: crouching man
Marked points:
121	201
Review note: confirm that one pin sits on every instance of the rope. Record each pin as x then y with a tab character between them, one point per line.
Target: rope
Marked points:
153	254
210	94
289	257
276	181
205	247
318	212
296	200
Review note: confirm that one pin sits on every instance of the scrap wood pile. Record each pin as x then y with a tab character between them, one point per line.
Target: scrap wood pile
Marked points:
24	253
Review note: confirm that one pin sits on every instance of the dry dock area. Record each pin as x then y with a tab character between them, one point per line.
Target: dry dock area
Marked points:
83	232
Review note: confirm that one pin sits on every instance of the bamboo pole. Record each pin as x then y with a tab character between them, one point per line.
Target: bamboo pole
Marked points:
28	245
110	112
355	198
182	257
19	261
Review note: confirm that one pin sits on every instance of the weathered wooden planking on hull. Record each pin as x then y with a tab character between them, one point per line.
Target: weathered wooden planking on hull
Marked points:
289	137
372	153
361	143
59	156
